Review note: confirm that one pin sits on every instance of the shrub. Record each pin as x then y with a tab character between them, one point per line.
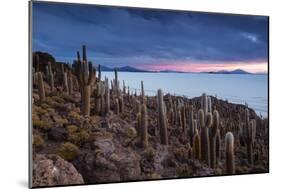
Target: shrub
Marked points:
71	129
41	124
149	154
78	137
181	154
68	151
38	141
184	170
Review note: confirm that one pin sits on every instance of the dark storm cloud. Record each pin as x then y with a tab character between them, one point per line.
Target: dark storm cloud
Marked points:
122	36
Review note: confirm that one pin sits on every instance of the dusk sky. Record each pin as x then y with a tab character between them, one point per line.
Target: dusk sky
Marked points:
151	39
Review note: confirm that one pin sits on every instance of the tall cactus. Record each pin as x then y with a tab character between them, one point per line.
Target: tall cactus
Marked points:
121	103
99	76
41	88
196	145
229	153
107	96
250	129
204	103
162	120
117	107
183	118
213	138
205	142
144	135
50	76
209	104
191	124
70	84
142	93
65	83
139	124
85	75
218	146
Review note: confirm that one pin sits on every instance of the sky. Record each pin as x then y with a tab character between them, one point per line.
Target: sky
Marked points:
151	39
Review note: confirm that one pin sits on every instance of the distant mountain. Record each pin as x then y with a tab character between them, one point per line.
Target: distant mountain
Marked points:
237	71
122	69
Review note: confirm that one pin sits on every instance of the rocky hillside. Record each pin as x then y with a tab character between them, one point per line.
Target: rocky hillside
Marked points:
89	130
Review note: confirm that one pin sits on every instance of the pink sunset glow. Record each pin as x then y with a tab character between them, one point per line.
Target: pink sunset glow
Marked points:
252	67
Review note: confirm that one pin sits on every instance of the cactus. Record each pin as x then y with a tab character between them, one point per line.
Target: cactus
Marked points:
229	153
142	93
99	70
117	106
209	104
50	76
65	83
205	142
116	85
162	120
41	88
196	145
121	103
250	132
213	138
107	96
139	123
102	99
85	75
124	87
191	124
98	97
70	84
204	103
183	118
218	146
144	137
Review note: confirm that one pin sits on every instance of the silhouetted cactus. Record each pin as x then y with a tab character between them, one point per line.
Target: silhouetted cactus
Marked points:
116	84
144	137
124	87
196	145
41	88
229	153
142	94
213	138
99	76
85	75
102	98
162	120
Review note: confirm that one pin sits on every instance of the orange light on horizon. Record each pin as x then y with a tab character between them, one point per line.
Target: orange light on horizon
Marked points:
252	67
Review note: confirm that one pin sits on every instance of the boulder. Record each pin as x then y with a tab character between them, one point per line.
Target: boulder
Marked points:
57	134
52	170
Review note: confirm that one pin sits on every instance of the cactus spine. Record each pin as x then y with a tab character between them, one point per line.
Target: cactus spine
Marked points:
229	153
162	121
144	137
41	88
85	75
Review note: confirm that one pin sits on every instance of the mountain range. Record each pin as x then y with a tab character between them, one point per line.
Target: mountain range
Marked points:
133	69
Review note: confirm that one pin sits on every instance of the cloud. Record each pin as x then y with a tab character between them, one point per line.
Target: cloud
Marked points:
124	36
